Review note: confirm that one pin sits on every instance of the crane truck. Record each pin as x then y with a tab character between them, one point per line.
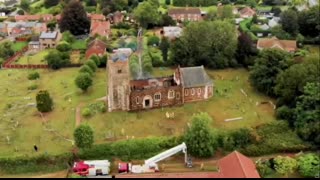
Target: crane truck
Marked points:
92	168
150	165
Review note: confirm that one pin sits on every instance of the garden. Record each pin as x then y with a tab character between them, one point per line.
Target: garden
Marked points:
33	58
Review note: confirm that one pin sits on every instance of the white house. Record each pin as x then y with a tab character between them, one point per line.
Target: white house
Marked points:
172	32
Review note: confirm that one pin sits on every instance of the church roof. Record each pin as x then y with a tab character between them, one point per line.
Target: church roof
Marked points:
195	77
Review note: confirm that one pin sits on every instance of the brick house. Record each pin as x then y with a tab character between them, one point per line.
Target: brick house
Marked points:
247	12
234	165
101	28
185	14
185	85
49	39
286	45
96	17
96	47
22	28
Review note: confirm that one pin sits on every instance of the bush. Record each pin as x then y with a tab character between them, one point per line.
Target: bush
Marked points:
264	168
42	163
92	65
33	76
44	101
86	69
153	41
309	165
33	87
83	81
83	136
63	46
98	107
96	60
86	112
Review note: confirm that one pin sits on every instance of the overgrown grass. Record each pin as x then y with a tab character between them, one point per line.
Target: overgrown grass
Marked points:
79	45
18	46
66	97
37	58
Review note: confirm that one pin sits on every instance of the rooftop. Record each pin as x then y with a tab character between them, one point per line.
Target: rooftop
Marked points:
194	77
48	35
187	10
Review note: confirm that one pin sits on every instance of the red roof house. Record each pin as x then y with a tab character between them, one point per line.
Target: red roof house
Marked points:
97	17
247	12
101	28
44	17
234	165
286	45
96	47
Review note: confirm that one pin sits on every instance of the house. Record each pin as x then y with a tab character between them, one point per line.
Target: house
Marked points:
247	12
22	28
186	85
101	28
49	39
185	14
96	17
172	32
117	17
286	45
34	46
96	47
234	165
43	17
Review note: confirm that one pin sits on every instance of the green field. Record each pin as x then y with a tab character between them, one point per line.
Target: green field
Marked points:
18	46
23	125
79	44
37	58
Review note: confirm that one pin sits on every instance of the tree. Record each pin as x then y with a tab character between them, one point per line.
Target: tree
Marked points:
83	81
225	12
251	3
153	40
276	10
25	5
199	138
68	37
166	20
83	136
96	60
245	51
146	64
309	22
92	65
44	101
74	19
50	3
146	14
63	46
134	66
285	165
203	43
20	12
309	165
168	2
212	14
86	69
51	25
267	66
290	83
164	47
56	59
307	113
289	22
6	50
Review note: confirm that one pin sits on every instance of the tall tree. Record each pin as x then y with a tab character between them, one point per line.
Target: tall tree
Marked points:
309	22
146	13
245	50
164	47
291	82
204	43
74	19
199	138
285	165
6	50
225	12
308	113
289	21
44	101
57	59
268	65
83	136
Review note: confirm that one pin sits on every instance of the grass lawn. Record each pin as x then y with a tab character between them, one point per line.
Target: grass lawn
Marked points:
18	46
79	44
37	58
23	125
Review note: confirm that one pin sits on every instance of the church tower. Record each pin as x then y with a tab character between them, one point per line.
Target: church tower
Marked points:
118	82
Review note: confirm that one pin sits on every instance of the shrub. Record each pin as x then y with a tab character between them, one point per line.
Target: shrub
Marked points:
33	76
92	65
285	165
83	81
96	60
264	168
86	69
63	46
44	101
98	107
309	165
83	136
33	87
86	112
153	40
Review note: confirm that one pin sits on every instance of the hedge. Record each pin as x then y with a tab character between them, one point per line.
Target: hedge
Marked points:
42	163
134	149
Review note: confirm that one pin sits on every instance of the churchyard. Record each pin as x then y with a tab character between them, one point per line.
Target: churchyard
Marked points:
22	126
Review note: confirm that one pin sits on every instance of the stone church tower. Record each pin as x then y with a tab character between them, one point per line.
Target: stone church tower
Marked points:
118	82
